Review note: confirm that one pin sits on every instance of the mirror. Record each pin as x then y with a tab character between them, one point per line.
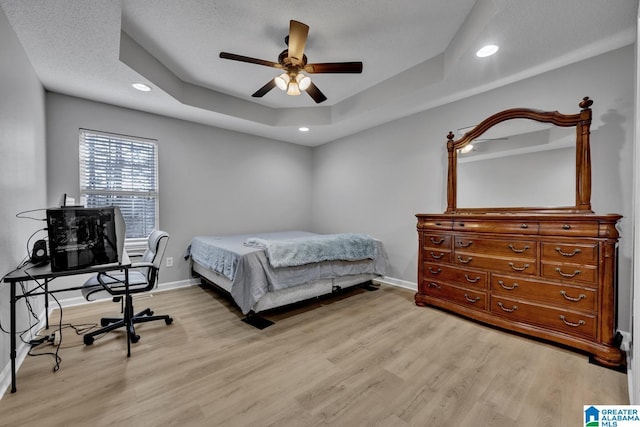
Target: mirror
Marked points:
522	160
496	170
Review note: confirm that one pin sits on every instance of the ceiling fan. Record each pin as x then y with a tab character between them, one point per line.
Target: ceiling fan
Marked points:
293	62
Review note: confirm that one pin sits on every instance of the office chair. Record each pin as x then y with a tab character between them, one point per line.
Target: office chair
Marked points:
143	277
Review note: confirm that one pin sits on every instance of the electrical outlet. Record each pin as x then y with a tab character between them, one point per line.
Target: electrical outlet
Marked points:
169	261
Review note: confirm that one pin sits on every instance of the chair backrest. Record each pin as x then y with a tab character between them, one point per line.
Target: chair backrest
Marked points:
157	243
121	229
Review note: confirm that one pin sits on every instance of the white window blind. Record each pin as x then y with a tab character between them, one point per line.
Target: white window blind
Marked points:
117	170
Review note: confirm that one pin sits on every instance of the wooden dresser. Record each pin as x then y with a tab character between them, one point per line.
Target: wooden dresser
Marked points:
545	272
549	276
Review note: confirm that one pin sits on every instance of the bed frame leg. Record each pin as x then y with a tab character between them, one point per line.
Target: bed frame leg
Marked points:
256	321
369	286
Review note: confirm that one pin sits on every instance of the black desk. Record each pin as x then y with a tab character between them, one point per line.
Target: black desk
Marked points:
32	272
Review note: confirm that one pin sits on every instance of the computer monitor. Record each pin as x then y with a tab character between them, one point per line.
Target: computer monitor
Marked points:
84	237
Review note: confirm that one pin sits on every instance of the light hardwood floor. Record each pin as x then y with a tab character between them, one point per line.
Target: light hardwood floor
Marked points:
365	358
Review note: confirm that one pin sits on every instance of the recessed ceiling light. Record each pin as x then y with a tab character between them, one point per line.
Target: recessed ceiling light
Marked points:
303	129
487	50
141	87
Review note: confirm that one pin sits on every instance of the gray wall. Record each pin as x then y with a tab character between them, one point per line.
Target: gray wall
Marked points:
211	181
22	166
377	180
215	181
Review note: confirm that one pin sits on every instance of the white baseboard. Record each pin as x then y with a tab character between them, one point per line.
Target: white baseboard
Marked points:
73	301
633	398
391	281
625	346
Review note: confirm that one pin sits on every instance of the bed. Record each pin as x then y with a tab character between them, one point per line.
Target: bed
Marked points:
263	271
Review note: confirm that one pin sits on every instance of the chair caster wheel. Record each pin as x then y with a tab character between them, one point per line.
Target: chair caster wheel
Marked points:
135	338
104	322
168	321
88	340
150	313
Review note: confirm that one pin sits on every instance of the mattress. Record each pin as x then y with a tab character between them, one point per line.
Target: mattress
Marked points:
245	271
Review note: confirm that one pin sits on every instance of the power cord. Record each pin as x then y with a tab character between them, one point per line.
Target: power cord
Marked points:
23	216
54	338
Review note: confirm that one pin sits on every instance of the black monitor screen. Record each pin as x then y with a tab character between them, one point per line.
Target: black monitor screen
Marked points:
81	237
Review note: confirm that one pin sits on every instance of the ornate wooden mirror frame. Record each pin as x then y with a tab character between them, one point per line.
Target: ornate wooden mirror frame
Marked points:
582	123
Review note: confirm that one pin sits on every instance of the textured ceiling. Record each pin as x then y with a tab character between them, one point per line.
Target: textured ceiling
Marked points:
417	54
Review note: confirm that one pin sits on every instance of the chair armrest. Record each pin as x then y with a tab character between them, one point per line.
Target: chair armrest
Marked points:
141	264
105	284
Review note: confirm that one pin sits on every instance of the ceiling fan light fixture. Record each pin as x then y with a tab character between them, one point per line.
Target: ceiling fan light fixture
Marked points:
291	61
293	88
282	81
303	81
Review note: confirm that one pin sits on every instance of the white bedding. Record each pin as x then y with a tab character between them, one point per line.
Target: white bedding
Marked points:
251	276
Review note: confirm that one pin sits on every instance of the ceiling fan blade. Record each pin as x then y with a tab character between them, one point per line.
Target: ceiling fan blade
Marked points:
316	94
298	33
334	67
234	57
264	89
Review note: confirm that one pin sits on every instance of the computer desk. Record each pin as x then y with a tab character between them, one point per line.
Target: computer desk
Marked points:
43	272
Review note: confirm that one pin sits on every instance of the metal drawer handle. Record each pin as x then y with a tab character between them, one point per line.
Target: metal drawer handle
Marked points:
508	310
568	298
437	242
465	261
470	280
518	268
473	300
509	288
575	325
567	254
433	285
433	255
432	271
464	245
566	227
438	223
568	275
518	251
524	226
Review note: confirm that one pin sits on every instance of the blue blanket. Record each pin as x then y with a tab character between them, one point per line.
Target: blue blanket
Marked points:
306	250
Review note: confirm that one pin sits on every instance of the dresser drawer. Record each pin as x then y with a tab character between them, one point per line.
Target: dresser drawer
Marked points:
511	227
570	228
436	255
463	277
587	274
468	297
436	241
502	264
508	247
579	253
560	295
434	224
573	323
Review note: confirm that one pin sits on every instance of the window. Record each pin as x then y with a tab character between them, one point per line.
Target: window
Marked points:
121	171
